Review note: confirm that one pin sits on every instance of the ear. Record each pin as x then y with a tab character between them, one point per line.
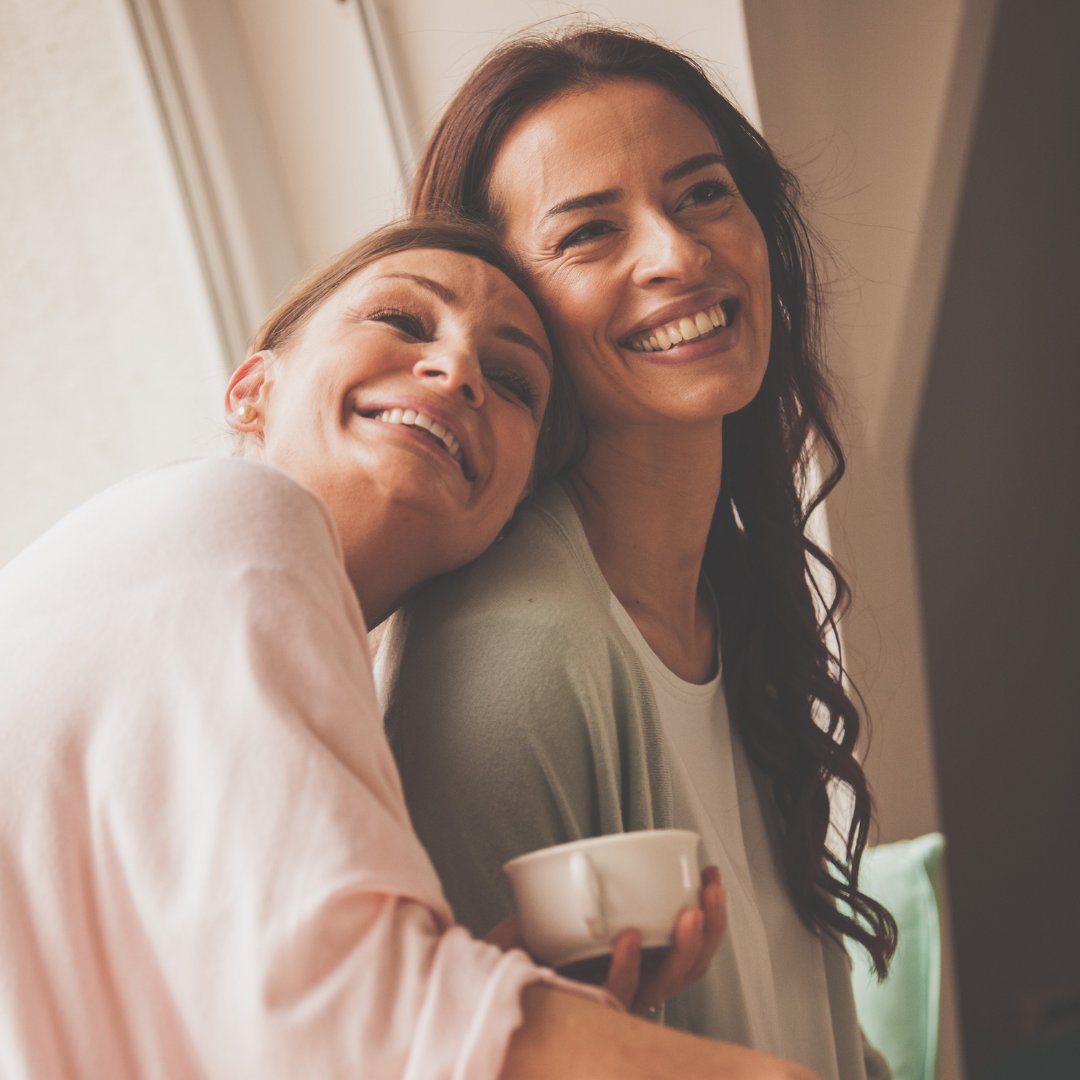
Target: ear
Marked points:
247	394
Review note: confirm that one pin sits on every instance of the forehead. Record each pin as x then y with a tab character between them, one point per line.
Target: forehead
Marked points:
473	283
581	140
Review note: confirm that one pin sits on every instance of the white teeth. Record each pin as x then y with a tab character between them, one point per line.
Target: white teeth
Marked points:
412	418
686	329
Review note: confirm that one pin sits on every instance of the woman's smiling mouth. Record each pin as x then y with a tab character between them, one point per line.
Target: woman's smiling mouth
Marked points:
425	426
704	323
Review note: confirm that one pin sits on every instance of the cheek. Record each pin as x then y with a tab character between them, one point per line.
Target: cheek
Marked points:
757	256
517	448
574	303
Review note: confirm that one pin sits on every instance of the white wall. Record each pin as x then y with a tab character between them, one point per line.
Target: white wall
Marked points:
436	44
111	360
318	121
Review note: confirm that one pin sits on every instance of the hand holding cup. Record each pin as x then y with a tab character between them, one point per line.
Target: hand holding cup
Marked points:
631	910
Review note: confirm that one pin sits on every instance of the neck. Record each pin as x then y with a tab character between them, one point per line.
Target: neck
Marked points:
379	578
646	499
383	558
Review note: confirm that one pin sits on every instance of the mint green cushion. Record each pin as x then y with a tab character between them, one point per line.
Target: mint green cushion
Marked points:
900	1015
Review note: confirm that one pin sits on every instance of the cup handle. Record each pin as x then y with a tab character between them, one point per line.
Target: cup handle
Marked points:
587	892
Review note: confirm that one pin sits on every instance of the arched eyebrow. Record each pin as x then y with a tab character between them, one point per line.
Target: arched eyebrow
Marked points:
447	295
692	165
584	202
611	195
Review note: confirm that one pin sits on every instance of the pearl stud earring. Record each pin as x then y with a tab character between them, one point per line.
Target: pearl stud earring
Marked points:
246	412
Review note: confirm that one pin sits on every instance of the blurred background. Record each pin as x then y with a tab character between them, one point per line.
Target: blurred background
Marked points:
169	166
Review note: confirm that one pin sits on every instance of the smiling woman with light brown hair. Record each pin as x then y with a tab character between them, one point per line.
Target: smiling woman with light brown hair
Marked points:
206	865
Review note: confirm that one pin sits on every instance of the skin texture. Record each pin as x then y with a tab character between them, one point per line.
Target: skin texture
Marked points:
605	272
469	350
618	202
565	1036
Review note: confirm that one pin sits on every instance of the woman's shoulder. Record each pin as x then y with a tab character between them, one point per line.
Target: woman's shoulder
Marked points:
534	604
200	515
205	493
226	491
541	573
232	503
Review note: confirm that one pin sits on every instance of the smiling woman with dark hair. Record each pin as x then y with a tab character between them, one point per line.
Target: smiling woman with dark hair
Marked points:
644	650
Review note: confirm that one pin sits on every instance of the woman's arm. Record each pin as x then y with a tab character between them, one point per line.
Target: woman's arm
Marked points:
566	1036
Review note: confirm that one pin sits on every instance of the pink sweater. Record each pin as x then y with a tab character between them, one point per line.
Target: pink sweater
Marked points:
206	864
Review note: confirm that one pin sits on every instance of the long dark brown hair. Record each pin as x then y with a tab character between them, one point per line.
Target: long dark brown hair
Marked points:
783	677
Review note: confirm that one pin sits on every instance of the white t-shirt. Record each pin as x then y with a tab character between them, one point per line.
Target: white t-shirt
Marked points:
767	986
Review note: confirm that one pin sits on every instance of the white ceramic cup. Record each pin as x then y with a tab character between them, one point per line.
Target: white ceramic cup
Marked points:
575	899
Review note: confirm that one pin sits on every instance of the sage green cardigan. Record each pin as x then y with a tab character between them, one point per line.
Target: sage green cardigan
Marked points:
520	717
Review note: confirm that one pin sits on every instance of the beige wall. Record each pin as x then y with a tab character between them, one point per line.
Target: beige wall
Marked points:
111	357
873	104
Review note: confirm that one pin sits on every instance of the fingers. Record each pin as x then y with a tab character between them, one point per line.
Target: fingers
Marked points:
673	971
698	933
625	971
714	908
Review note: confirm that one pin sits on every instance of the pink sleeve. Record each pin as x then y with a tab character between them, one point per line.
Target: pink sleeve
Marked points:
455	1001
258	844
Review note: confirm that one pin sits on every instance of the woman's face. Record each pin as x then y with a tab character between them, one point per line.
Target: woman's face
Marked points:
652	270
421	383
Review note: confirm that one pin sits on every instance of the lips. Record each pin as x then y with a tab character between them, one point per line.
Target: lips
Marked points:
427	426
669	333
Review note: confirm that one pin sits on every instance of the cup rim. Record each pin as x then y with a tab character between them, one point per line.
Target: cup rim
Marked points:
612	839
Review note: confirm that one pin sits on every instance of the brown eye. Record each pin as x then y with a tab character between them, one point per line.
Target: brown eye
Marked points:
586	233
708	191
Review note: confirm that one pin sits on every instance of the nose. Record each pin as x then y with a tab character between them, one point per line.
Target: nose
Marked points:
668	252
453	370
